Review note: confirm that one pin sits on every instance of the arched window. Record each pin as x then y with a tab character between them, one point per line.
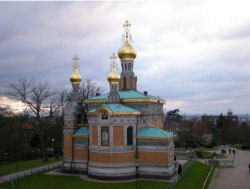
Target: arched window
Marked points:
125	67
130	84
79	118
130	135
124	83
129	66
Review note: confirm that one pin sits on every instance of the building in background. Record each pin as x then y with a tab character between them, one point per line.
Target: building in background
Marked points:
215	118
123	135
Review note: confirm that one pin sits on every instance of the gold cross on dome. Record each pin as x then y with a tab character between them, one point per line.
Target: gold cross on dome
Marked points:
113	62
113	57
126	27
75	64
75	58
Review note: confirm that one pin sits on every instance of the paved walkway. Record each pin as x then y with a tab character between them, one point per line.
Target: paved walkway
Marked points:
234	178
29	172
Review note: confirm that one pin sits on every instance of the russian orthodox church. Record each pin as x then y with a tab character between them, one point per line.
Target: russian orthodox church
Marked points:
122	134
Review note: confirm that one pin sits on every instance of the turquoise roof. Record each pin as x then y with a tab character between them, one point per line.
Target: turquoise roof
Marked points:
116	108
124	94
82	131
153	132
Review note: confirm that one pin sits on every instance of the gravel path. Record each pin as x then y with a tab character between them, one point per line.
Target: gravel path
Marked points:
234	178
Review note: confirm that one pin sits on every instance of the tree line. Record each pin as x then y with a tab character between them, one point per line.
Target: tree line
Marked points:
196	132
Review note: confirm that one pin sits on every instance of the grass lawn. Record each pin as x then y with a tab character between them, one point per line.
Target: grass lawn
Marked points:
42	181
23	165
195	177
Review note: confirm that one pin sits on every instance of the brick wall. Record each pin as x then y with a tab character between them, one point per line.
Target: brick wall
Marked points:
112	157
118	136
81	154
67	138
94	135
154	157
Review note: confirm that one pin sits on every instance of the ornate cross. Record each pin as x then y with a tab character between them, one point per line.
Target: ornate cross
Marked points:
75	65
126	27
113	59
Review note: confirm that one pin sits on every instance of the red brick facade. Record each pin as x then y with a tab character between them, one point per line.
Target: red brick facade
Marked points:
118	136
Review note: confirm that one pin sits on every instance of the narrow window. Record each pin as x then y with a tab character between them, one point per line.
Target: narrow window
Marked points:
130	135
79	118
104	115
124	84
129	66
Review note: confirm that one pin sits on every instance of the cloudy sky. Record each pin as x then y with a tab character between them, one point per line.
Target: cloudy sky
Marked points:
193	53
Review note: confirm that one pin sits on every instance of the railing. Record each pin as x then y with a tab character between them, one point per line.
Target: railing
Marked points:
204	184
33	171
179	177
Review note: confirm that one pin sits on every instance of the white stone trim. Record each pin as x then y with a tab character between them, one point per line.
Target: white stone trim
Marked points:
113	149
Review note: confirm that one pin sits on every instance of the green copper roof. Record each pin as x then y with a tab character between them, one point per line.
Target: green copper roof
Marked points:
125	94
82	131
115	108
153	132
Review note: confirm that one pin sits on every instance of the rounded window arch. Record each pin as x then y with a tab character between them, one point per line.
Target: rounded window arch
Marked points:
130	135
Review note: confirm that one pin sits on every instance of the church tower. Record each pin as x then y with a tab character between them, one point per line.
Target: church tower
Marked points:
113	79
127	56
75	78
72	117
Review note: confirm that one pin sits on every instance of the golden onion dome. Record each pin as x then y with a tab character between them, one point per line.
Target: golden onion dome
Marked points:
127	52
75	77
113	77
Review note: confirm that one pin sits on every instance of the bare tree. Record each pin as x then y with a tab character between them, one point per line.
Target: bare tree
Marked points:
57	102
35	95
89	89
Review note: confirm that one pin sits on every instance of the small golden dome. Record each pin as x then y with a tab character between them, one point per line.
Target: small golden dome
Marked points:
127	52
75	77
113	77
